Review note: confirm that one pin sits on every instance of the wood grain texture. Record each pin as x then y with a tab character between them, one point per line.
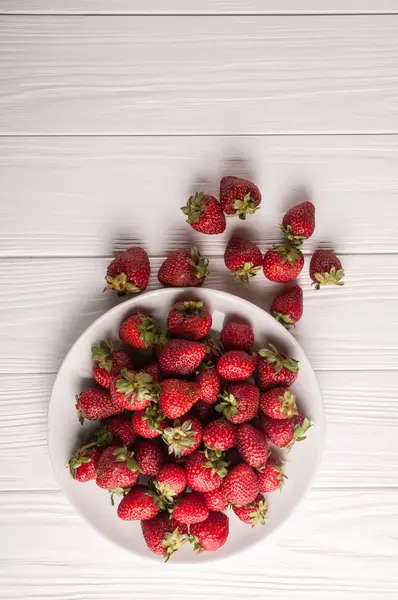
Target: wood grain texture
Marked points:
90	197
63	559
339	329
198	75
194	7
356	407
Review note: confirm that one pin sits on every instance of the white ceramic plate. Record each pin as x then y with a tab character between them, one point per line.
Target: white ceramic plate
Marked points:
75	374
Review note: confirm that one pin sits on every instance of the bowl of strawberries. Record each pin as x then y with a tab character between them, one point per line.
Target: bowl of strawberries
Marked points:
176	420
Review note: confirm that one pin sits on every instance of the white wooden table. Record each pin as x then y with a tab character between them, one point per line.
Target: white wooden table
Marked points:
110	115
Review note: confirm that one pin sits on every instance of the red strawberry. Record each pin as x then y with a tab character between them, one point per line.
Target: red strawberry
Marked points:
237	336
205	214
271	477
240	486
139	331
284	433
239	197
171	481
149	423
118	429
326	269
253	513
116	468
210	383
191	508
274	368
278	403
211	534
108	362
299	222
183	436
189	320
149	457
287	307
139	504
184	268
83	464
133	391
94	404
236	365
204	412
154	371
128	272
215	500
205	470
164	535
219	435
239	402
214	348
177	397
252	445
283	263
181	357
243	258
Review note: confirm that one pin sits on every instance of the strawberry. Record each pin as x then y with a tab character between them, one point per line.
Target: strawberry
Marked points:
205	214
154	371
243	258
184	268
253	513
94	404
271	477
278	403
237	336
118	429
215	500
236	365
252	445
133	391
284	433
204	412
177	397
139	331
214	348
239	197
189	320
239	402
326	269
240	486
210	383
181	357
171	481
283	263
149	457
274	368
164	535
205	470
211	534
149	423
287	307
116	468
219	435
128	272
190	508
299	222
108	363
183	436
139	504
83	464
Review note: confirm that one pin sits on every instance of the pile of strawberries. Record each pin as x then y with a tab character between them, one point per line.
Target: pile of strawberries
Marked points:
187	421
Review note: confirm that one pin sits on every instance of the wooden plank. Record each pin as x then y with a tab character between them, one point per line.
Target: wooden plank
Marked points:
90	196
204	75
45	304
344	532
134	7
358	407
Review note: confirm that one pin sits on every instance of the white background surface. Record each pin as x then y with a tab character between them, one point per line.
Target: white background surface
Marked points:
108	120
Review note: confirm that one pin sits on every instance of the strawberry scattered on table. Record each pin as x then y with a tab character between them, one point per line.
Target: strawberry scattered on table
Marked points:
243	258
184	268
299	222
326	269
129	272
205	214
287	307
239	197
283	263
